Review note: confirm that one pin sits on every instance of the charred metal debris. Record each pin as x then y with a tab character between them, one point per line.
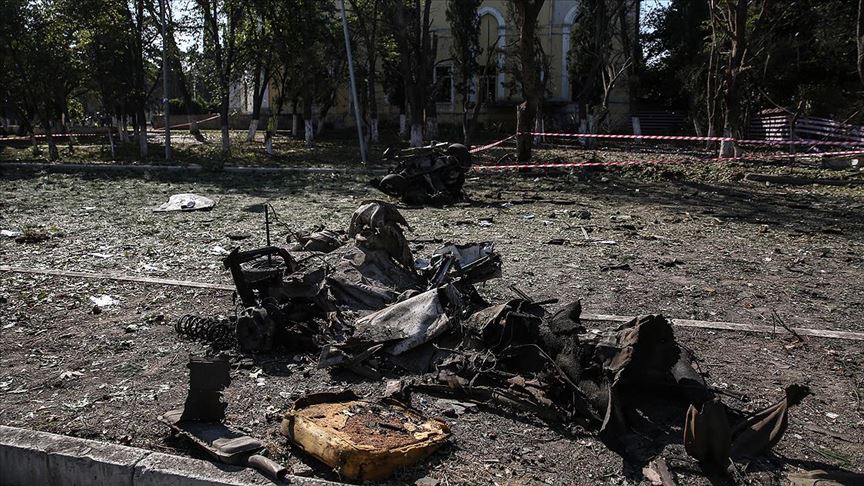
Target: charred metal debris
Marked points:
433	174
367	305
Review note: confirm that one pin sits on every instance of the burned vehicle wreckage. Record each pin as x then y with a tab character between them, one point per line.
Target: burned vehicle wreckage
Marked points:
433	175
367	305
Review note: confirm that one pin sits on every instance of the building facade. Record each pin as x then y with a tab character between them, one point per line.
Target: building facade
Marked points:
495	90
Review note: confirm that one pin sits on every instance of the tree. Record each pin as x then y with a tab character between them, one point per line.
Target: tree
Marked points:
392	80
860	31
794	61
464	49
411	28
602	53
256	39
143	35
221	22
107	40
673	76
367	15
529	66
45	62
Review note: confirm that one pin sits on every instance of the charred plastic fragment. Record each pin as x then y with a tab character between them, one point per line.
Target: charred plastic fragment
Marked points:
433	174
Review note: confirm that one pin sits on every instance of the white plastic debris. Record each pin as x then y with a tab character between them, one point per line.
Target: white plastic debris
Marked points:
219	251
186	202
10	233
103	300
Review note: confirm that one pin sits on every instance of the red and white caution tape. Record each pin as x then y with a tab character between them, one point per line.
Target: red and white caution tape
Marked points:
631	137
55	135
491	145
94	134
614	136
657	162
182	125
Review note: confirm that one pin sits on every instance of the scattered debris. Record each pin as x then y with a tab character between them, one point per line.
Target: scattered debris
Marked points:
558	241
433	174
825	478
220	333
658	473
200	421
33	235
238	236
412	322
186	202
289	302
362	439
219	251
323	241
712	439
365	303
103	301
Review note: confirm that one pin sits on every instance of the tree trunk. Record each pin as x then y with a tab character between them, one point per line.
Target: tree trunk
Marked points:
526	113
431	121
223	123
532	89
403	122
53	154
142	133
111	142
416	124
35	149
731	99
309	131
295	120
374	135
373	104
861	39
259	88
416	135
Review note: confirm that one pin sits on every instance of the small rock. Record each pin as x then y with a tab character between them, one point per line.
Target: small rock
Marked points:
132	328
302	470
96	310
238	236
427	481
585	215
154	318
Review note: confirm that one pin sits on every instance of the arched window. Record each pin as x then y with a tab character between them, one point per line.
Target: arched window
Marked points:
493	35
566	32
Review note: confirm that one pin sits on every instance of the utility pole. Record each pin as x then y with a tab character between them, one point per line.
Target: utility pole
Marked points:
166	104
353	84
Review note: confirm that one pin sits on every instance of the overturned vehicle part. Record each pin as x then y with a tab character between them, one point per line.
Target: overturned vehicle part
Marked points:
433	174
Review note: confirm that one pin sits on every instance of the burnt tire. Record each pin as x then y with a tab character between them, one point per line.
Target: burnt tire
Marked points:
461	153
393	184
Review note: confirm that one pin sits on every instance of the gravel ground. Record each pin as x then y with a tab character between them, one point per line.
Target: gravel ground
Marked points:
677	241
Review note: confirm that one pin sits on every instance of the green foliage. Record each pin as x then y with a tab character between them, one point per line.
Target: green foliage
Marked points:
801	58
198	106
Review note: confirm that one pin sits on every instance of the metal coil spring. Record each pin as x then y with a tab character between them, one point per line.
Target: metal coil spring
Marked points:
219	333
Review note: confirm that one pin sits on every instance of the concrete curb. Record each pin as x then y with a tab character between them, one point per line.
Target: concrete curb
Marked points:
176	168
30	457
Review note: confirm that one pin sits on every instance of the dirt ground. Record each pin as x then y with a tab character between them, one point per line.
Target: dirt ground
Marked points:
684	243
